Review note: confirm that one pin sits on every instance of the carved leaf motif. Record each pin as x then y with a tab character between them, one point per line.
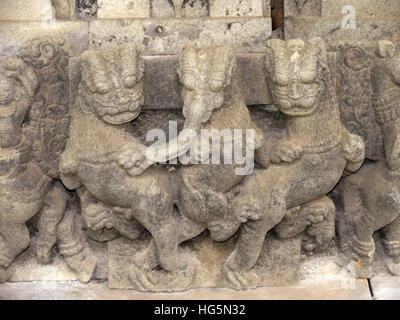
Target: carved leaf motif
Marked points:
354	92
50	114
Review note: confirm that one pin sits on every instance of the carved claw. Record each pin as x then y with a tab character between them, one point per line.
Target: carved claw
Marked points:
241	280
286	151
236	278
134	162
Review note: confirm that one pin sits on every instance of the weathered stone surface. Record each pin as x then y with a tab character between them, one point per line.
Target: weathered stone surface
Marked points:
371	207
386	288
331	29
179	8
87	9
354	62
65	9
163	37
302	7
14	34
364	8
99	291
123	9
236	8
20	10
163	89
35	90
277	266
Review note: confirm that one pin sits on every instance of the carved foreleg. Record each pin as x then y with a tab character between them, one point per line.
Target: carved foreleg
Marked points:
72	246
237	268
49	217
391	244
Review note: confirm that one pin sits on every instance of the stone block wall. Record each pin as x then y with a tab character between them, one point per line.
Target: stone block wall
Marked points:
374	19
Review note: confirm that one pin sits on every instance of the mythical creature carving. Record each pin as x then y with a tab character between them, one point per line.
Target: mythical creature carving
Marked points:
96	161
28	88
306	163
376	206
212	100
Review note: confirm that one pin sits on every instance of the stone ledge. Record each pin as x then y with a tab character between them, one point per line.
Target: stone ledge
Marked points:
386	288
169	36
72	290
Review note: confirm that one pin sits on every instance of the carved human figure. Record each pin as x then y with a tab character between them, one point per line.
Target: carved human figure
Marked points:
25	189
376	206
113	192
306	163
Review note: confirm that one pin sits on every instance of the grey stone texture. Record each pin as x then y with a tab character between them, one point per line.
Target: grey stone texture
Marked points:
164	37
123	9
86	197
20	10
375	20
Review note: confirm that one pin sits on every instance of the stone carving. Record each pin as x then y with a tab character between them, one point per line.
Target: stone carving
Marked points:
110	96
354	92
212	100
305	164
65	9
370	207
33	88
178	7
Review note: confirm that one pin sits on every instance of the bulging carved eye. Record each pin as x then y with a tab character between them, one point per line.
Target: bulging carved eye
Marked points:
102	87
189	80
129	81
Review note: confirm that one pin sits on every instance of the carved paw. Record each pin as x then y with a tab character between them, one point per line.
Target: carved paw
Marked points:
134	162
241	280
235	278
286	151
83	264
148	277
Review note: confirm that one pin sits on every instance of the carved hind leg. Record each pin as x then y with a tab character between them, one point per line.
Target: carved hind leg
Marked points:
249	246
49	217
72	246
364	246
391	244
154	210
14	239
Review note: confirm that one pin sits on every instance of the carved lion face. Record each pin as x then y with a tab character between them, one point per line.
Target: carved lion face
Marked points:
294	74
112	83
204	73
